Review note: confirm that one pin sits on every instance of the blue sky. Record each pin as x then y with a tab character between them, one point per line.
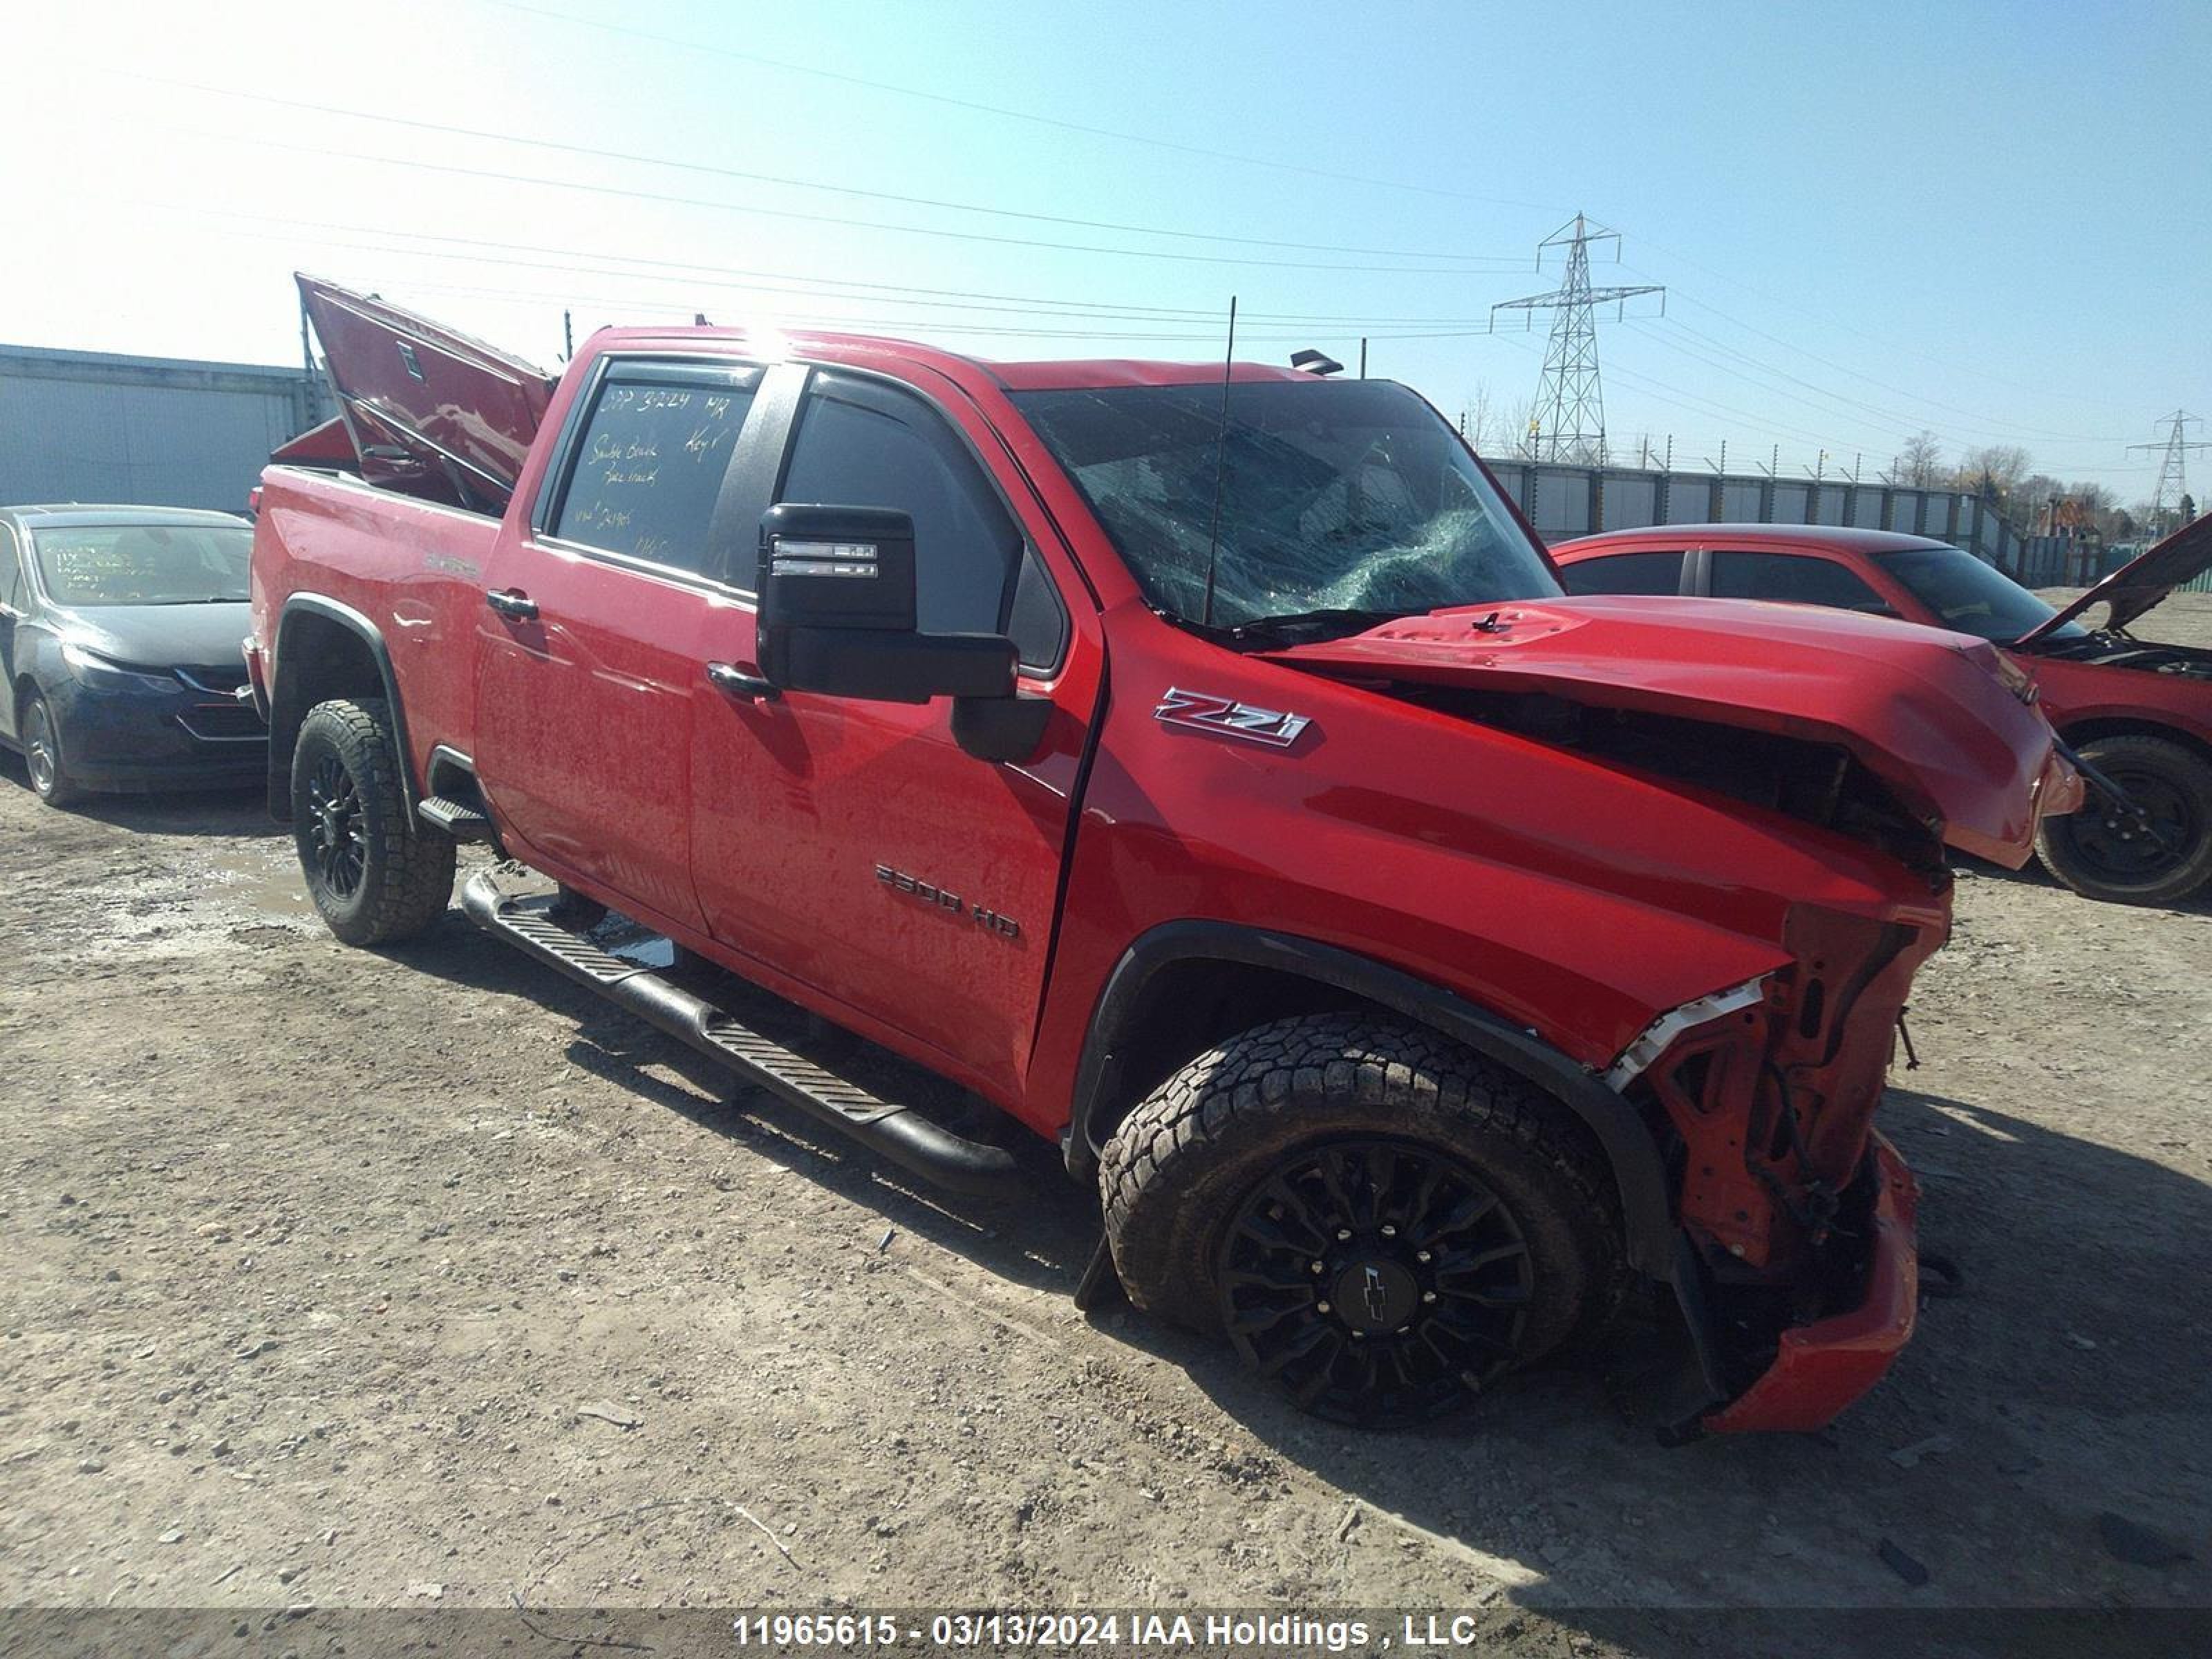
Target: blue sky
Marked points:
1986	220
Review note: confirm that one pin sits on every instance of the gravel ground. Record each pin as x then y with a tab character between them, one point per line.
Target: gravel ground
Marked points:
421	1278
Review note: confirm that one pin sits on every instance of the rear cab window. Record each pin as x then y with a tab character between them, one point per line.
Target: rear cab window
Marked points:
647	462
1625	572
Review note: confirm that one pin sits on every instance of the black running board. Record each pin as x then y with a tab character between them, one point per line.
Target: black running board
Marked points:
457	818
905	1137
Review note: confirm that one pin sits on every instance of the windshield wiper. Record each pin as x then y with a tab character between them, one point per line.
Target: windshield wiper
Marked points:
1301	627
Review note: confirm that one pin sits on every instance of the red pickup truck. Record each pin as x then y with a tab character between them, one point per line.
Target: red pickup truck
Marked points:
1201	765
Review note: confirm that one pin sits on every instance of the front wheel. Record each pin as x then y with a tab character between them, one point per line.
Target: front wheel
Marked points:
375	873
2106	852
1381	1221
42	753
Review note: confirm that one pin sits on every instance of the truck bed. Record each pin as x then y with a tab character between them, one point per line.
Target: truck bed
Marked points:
412	567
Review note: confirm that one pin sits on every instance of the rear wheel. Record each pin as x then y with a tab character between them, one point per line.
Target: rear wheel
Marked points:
42	753
1380	1221
2106	852
375	873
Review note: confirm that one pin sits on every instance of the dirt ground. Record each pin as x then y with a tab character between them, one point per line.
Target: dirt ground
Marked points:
423	1278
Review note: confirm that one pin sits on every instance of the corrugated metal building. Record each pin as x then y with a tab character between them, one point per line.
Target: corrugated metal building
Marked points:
92	426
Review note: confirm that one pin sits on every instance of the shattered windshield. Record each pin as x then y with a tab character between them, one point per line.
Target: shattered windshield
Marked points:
1971	596
1351	498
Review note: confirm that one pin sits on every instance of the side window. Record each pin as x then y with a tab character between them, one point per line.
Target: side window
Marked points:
12	593
1798	579
649	461
864	444
1625	572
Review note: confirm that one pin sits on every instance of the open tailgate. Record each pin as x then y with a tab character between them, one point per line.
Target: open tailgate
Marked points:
430	411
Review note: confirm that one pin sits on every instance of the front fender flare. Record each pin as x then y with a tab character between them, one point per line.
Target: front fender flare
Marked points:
1639	1174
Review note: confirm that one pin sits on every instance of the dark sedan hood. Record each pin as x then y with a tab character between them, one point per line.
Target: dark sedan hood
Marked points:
161	635
2142	582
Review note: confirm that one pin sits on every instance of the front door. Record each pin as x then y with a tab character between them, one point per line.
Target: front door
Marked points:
599	611
14	603
852	846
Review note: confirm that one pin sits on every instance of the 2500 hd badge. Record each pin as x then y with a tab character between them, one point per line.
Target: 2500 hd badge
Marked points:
929	893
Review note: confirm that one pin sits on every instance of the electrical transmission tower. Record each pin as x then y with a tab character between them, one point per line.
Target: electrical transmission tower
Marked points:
1570	418
2173	469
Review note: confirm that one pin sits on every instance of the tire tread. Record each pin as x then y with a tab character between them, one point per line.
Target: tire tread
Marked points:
411	863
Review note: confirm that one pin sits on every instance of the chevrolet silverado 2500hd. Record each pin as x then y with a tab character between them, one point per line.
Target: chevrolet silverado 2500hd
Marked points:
1201	766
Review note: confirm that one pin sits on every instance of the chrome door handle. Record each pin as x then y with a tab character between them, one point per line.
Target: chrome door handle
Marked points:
730	678
514	606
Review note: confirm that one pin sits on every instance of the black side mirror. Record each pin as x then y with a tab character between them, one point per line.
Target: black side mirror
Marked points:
837	613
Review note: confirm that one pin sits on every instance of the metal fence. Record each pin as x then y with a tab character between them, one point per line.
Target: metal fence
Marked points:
90	425
1566	501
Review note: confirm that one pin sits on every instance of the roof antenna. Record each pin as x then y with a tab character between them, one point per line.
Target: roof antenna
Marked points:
1220	457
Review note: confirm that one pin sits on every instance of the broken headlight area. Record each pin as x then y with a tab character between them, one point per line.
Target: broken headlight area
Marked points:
1765	1098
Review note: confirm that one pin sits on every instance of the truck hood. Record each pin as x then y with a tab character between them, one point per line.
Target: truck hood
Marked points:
161	635
2145	580
430	410
1934	715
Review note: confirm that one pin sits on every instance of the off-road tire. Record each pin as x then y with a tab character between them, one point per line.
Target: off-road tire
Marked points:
2083	851
396	875
1190	1174
35	727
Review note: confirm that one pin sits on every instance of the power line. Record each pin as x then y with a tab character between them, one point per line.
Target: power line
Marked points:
626	193
975	107
1856	374
826	323
701	274
640	159
1751	288
1893	423
1680	397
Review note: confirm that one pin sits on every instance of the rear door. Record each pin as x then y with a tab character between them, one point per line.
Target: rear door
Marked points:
599	610
851	847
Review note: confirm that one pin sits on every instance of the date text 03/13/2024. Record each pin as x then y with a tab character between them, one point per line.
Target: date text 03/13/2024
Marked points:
989	1631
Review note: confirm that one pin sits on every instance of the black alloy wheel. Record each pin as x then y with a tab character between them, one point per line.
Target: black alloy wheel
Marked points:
1380	1221
1380	1281
376	872
335	829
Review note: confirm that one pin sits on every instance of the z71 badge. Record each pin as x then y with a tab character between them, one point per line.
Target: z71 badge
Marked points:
1202	711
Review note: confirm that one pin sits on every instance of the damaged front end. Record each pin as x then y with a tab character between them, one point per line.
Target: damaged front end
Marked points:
1797	1272
1859	750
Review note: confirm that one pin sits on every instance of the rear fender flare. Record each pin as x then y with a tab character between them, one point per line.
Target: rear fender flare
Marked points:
285	719
1639	1174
